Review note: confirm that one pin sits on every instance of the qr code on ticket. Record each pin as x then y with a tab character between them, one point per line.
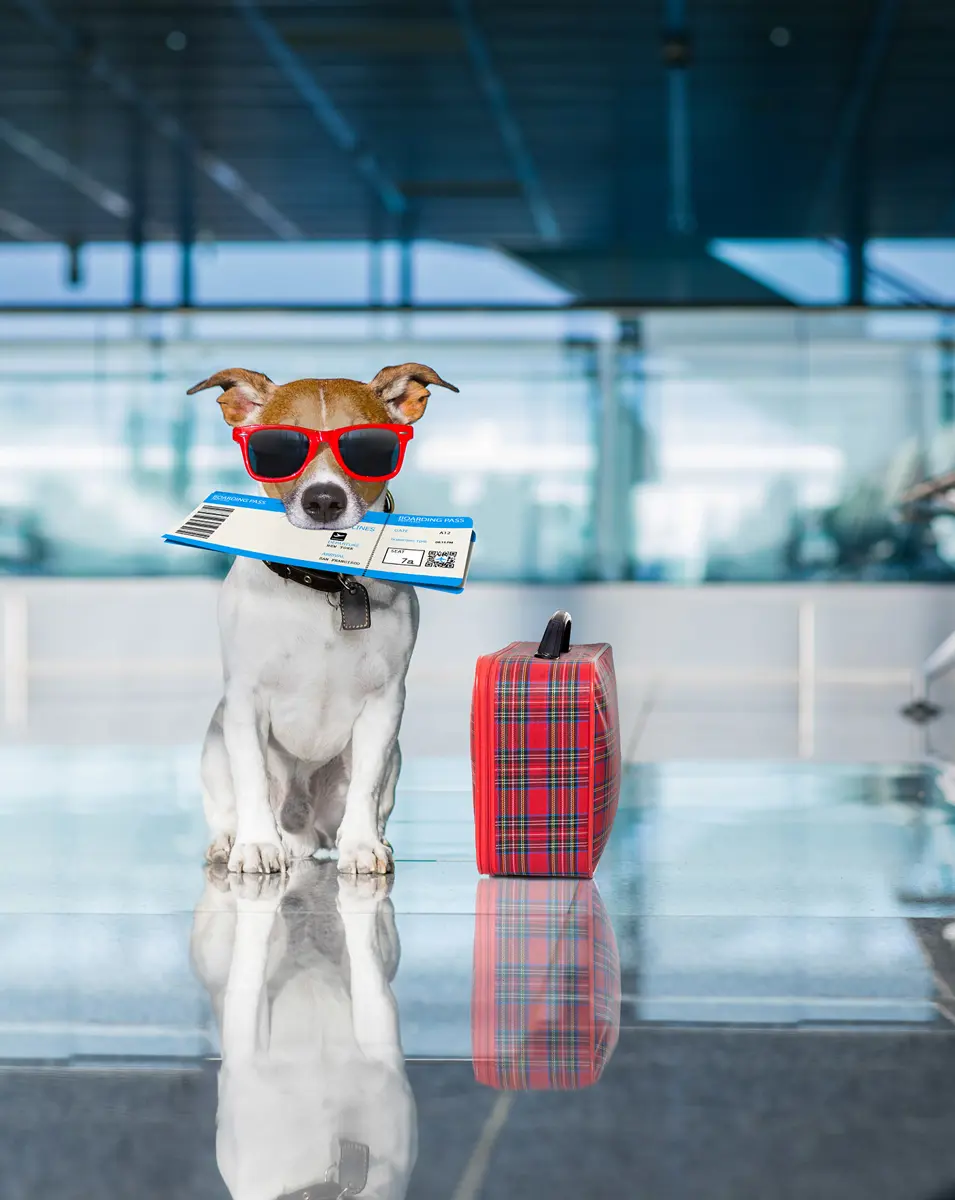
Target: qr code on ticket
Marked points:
441	558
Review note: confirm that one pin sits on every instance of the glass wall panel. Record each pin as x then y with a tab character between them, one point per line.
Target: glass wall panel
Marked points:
103	450
781	445
679	446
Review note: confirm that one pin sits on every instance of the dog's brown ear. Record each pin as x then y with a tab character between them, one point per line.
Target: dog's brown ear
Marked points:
405	389
243	393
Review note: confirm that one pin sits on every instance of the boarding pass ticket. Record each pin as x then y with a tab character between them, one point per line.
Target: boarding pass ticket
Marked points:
422	550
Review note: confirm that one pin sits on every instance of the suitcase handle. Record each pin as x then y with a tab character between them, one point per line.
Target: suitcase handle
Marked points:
556	639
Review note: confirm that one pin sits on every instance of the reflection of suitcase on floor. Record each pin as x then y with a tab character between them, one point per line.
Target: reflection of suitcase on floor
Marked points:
545	1007
545	755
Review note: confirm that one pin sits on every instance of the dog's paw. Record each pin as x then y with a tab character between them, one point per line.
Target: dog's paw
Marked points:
220	848
362	894
258	891
365	858
217	876
258	858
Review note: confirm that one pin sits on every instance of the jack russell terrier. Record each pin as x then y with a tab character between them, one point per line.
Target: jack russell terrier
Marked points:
302	751
313	1096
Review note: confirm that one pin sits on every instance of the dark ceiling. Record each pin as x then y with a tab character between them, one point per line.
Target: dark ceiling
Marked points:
522	123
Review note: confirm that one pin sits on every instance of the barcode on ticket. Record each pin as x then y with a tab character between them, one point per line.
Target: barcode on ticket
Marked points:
204	522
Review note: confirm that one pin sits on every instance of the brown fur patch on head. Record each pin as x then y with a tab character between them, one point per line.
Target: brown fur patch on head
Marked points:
325	404
397	395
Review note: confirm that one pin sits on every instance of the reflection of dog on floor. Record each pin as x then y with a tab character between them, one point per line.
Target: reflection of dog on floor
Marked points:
312	1088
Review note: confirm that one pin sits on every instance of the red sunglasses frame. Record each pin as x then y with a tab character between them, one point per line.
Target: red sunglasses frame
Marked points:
316	439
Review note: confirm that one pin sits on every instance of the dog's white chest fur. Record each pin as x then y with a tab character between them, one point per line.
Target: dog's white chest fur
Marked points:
302	753
287	641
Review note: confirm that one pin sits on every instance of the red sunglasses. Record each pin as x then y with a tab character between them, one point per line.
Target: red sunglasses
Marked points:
277	453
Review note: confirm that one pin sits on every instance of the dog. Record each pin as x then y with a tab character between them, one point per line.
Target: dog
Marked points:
302	752
312	1086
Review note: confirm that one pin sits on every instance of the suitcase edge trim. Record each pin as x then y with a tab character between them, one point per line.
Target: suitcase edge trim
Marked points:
592	738
484	725
606	648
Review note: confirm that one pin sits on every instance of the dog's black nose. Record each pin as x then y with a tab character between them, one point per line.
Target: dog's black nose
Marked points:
324	502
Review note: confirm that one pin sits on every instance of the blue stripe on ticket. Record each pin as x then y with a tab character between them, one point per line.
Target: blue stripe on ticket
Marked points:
266	504
240	500
431	522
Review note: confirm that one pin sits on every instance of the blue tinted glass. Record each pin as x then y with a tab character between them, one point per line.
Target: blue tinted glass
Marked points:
369	451
276	453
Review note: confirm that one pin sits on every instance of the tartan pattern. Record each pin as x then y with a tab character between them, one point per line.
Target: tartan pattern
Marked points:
548	719
546	1002
542	752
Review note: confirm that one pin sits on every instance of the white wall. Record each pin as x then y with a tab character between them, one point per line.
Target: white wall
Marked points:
136	661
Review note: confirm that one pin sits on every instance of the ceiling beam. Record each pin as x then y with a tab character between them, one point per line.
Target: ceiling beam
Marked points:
221	173
53	163
544	218
323	108
20	229
854	113
61	168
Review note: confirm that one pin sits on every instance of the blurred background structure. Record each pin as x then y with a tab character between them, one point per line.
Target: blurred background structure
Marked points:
605	223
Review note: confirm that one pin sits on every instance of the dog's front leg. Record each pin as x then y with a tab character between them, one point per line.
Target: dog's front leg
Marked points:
258	847
362	849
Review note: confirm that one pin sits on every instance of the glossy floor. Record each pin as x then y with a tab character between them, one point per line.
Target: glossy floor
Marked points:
756	998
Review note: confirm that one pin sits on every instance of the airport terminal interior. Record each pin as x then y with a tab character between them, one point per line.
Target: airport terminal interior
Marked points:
691	266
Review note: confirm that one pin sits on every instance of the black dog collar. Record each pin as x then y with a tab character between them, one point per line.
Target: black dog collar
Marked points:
352	596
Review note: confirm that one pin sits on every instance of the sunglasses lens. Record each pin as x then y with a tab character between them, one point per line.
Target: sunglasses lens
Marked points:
371	452
277	453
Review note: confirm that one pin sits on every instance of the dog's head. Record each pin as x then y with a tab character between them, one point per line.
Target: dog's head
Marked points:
325	496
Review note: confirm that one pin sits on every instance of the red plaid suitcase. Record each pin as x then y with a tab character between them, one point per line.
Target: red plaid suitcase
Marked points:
545	755
545	1006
